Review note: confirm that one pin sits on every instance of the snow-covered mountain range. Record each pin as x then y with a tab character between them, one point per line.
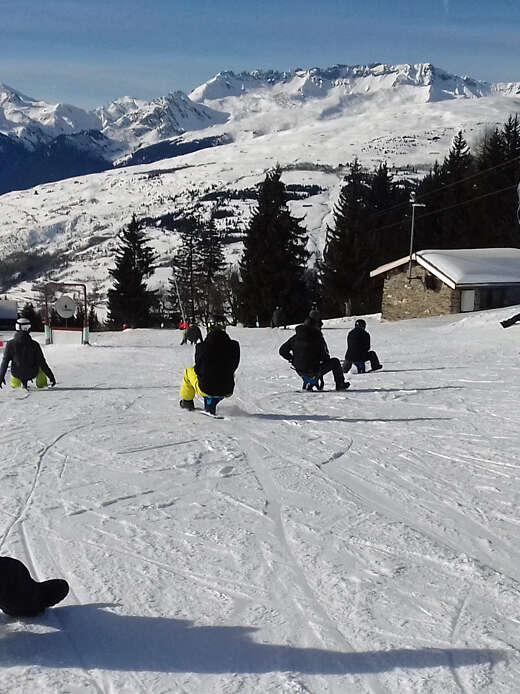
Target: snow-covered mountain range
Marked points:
223	136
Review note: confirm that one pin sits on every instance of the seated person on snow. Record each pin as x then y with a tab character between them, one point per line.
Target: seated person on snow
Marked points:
358	349
193	334
212	377
26	358
308	353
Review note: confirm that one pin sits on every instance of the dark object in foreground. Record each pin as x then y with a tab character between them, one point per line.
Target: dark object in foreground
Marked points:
510	321
21	595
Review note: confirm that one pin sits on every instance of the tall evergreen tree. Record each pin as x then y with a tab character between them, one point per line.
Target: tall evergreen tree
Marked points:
130	301
211	264
498	161
34	316
274	258
185	271
457	223
346	259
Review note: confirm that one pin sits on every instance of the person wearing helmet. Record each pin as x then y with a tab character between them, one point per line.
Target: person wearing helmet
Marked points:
26	358
212	377
358	349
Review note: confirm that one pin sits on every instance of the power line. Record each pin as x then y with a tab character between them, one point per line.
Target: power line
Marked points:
447	186
450	207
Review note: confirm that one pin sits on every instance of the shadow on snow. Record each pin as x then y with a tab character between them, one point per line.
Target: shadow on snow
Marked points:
104	640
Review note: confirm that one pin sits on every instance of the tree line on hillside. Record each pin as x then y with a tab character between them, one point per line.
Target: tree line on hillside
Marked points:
469	200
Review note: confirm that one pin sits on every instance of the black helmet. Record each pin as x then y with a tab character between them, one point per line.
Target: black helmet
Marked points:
360	323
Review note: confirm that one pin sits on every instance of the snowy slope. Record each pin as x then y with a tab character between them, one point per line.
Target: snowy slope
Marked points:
350	543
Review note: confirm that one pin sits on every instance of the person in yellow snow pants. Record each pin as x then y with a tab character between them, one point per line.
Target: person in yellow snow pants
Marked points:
190	385
41	381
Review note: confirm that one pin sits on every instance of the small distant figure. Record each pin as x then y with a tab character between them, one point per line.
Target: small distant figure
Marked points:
308	353
26	358
193	334
184	325
278	318
510	321
21	595
212	376
358	349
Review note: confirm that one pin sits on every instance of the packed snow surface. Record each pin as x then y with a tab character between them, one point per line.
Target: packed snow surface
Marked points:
477	265
350	543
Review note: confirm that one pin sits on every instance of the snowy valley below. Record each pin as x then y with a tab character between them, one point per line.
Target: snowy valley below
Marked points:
351	543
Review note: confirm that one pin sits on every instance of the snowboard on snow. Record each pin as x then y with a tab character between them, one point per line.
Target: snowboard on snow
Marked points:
21	595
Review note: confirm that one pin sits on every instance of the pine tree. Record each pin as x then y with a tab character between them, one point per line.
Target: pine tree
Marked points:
185	271
129	301
498	161
456	222
346	259
211	264
274	258
34	316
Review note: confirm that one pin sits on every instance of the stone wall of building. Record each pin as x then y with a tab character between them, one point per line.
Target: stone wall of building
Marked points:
425	295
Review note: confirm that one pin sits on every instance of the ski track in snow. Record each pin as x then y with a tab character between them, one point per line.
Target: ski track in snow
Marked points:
357	542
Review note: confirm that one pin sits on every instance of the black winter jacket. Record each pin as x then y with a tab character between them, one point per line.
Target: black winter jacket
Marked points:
26	357
358	345
216	360
307	349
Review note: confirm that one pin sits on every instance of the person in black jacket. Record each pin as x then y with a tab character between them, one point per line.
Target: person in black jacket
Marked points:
358	348
307	351
21	595
216	360
193	334
26	358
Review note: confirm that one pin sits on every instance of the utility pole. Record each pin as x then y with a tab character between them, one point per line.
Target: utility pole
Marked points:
181	307
414	205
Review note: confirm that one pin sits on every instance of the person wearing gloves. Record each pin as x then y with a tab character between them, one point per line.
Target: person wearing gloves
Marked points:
26	358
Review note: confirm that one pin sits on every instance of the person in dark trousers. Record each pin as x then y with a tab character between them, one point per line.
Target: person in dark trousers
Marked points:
193	334
278	318
307	351
358	348
212	376
26	358
21	595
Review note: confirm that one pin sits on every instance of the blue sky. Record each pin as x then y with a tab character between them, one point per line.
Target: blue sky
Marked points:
88	52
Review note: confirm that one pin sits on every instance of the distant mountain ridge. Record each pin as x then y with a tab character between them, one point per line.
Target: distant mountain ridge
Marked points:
52	141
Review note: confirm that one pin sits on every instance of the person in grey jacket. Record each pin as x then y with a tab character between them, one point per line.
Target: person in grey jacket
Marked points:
26	358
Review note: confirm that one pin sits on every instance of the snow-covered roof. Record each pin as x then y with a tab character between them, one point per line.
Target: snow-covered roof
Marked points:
469	267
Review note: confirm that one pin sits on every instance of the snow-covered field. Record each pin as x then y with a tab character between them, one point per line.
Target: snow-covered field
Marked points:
351	542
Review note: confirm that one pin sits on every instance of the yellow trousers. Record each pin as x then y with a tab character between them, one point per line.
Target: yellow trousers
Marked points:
41	380
190	385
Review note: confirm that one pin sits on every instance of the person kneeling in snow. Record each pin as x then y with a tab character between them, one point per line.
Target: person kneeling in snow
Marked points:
21	595
358	349
307	351
27	360
216	360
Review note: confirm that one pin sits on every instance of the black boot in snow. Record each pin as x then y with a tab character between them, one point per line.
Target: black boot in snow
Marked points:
343	386
187	405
